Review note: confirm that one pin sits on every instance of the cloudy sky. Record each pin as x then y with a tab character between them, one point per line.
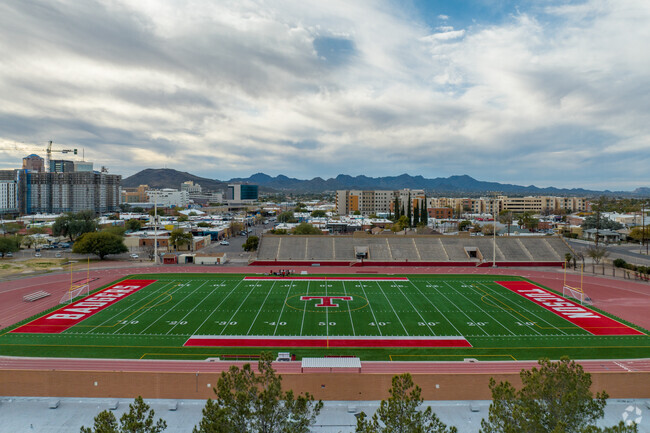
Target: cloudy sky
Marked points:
544	92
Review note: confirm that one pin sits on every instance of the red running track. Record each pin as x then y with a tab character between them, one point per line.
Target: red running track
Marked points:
490	367
626	299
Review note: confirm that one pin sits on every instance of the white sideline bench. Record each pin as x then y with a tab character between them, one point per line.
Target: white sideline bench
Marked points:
36	295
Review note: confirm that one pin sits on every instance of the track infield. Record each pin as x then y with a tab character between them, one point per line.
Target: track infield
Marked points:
417	317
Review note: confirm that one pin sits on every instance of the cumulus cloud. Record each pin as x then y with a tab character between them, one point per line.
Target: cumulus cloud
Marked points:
556	96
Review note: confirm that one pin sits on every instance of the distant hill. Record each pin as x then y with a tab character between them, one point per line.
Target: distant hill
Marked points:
452	185
170	178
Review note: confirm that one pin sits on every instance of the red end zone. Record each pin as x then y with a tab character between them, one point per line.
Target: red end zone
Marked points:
253	341
587	319
296	277
70	315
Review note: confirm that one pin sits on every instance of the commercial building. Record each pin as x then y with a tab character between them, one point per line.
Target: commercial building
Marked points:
134	195
191	187
168	197
34	162
241	193
61	166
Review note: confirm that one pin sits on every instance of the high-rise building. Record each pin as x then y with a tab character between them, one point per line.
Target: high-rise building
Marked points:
61	166
83	166
67	192
240	193
8	197
34	162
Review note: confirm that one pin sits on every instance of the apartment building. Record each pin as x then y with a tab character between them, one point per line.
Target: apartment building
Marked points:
8	197
366	202
66	192
371	202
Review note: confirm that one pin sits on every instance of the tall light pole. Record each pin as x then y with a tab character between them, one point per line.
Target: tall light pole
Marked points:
494	232
155	229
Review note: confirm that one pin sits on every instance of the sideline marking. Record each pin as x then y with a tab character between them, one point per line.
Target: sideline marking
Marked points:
583	317
324	341
70	315
299	278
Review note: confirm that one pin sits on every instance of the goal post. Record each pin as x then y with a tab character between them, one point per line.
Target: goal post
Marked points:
74	292
569	291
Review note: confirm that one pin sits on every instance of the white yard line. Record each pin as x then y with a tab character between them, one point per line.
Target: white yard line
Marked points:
237	310
393	308
416	310
121	312
485	312
371	310
345	291
190	312
277	322
217	307
459	310
434	306
260	310
142	311
487	287
170	310
304	311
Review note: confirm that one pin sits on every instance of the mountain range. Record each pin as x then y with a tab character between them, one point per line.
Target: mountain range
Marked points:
454	185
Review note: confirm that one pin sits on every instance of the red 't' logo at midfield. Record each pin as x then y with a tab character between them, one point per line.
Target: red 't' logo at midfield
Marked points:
326	301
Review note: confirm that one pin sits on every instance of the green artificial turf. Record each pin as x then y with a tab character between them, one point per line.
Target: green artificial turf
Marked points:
156	321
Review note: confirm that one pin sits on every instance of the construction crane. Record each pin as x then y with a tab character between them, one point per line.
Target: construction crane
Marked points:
48	152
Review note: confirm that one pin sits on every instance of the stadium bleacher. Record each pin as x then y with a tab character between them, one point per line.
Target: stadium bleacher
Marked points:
413	249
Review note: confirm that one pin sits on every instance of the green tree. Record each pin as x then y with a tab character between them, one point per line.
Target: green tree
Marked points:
464	225
416	214
203	224
596	253
133	225
506	217
286	217
396	208
100	244
179	238
639	233
400	224
182	218
424	213
116	230
319	213
251	243
9	244
11	228
306	229
139	419
409	214
356	212
400	414
104	422
73	225
556	398
249	402
528	221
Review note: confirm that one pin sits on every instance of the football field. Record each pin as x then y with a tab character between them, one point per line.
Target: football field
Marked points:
423	317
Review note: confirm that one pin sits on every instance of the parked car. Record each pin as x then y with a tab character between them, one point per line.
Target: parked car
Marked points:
134	256
37	254
9	254
224	243
57	255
